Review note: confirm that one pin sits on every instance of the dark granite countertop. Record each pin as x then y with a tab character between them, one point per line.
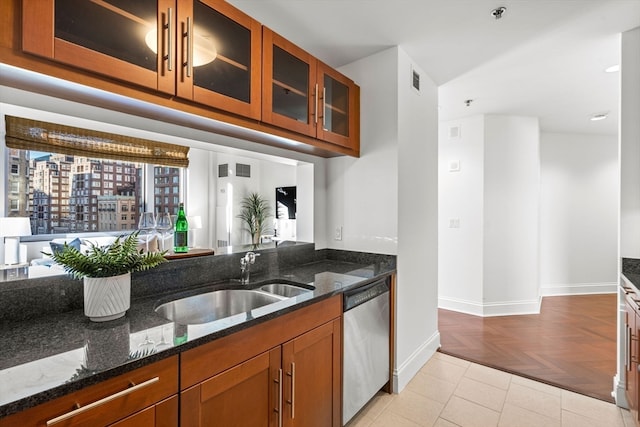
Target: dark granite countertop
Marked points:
58	353
631	271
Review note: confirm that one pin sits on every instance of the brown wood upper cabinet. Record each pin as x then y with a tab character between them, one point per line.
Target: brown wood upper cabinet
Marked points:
219	57
302	94
206	51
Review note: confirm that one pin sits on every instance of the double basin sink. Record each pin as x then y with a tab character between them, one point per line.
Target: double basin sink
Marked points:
215	305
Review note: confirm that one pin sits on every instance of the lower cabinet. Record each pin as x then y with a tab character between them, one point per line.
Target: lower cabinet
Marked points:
241	396
283	372
143	397
632	352
312	377
296	382
163	414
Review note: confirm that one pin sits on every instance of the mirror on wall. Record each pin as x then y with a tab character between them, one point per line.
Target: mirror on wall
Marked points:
212	187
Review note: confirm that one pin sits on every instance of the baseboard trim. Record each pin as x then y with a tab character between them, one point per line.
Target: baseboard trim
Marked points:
505	308
618	393
410	367
578	289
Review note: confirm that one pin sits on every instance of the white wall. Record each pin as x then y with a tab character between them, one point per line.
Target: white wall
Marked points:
511	215
629	149
578	213
387	199
488	207
460	211
417	307
367	187
629	145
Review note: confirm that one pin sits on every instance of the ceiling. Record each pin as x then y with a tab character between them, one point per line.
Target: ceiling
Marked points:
543	58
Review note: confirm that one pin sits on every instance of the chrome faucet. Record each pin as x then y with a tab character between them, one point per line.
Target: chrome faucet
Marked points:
245	265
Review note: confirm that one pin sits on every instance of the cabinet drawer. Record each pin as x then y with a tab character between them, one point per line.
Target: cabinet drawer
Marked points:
106	402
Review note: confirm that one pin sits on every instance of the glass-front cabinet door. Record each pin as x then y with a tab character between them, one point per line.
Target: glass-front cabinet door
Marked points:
219	56
116	38
289	85
339	99
303	95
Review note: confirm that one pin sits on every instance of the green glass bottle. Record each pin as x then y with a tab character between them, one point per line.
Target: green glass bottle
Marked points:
180	244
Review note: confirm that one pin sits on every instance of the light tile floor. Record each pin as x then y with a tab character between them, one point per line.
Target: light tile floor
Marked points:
450	392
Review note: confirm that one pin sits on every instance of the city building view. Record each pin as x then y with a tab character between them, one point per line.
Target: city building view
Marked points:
64	193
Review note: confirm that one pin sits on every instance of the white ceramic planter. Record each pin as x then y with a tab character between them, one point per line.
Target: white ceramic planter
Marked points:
107	298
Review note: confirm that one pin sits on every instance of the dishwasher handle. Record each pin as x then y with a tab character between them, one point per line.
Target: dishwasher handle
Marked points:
362	294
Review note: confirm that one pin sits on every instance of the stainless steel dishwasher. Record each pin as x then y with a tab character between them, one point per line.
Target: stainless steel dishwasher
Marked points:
366	345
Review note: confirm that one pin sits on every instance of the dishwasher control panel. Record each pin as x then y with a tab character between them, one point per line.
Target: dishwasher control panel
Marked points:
360	295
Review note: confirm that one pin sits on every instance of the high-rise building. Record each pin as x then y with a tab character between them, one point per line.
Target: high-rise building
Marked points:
18	183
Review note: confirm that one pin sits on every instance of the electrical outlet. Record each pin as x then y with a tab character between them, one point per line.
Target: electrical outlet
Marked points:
338	233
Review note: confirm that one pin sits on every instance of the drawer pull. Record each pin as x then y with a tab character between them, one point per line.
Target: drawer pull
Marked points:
102	401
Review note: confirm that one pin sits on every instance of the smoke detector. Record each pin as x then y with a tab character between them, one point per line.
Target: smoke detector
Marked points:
498	12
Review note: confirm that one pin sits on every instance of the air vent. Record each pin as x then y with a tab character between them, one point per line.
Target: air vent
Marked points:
415	80
223	243
223	170
243	171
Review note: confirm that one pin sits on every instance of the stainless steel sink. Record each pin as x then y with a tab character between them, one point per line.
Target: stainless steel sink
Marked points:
215	305
286	290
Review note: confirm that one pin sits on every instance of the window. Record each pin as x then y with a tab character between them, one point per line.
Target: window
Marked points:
67	194
40	149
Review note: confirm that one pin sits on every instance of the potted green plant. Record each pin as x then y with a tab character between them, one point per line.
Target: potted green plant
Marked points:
106	271
254	213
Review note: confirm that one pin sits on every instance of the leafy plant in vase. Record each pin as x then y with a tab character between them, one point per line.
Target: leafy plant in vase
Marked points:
254	213
106	271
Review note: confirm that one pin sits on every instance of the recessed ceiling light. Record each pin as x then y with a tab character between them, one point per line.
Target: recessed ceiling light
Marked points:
612	69
600	116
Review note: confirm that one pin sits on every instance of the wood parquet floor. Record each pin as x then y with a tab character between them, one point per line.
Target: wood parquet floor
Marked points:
571	344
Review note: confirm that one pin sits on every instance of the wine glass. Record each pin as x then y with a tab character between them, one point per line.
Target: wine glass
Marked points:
147	223
164	225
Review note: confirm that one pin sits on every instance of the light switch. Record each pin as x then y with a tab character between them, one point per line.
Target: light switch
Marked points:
454	222
454	166
338	233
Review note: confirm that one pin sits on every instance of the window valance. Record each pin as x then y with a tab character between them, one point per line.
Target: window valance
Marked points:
27	134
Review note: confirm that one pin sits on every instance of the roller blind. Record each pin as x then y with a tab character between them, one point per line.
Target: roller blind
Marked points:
27	134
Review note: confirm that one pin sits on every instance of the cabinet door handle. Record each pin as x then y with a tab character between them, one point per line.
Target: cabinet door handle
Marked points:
168	27
102	401
279	408
324	106
315	103
627	354
292	402
187	52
